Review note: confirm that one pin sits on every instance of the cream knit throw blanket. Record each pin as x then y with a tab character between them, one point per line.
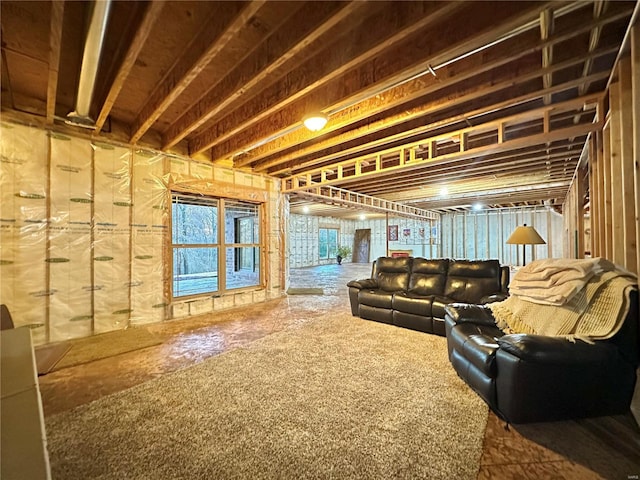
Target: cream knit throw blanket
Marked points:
554	281
596	312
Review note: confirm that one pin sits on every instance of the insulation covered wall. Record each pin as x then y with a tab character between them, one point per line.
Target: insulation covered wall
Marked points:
418	236
482	235
23	226
69	241
111	237
303	238
85	238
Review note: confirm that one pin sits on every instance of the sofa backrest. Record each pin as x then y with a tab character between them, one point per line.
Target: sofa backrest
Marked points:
392	274
428	277
470	280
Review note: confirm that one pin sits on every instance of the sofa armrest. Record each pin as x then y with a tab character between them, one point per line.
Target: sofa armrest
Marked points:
364	283
557	351
470	313
494	297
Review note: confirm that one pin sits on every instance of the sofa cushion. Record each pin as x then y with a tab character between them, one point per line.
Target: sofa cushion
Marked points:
392	274
428	277
408	303
468	281
476	343
384	315
438	304
375	298
414	322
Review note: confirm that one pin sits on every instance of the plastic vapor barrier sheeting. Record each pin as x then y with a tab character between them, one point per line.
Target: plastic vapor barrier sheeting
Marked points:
23	226
85	238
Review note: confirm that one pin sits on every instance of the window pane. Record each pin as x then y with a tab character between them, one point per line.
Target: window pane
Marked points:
333	243
239	221
323	251
242	267
194	223
195	271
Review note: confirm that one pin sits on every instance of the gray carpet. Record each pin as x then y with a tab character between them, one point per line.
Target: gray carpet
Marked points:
334	398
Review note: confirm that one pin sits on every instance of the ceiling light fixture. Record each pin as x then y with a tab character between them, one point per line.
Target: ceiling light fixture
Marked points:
315	121
444	191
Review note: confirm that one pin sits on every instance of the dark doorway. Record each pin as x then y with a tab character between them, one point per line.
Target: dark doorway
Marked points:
361	245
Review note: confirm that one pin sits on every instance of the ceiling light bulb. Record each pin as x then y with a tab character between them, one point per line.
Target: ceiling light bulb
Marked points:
477	206
315	121
444	191
305	209
363	216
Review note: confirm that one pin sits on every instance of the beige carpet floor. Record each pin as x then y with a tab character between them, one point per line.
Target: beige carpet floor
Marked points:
335	398
305	291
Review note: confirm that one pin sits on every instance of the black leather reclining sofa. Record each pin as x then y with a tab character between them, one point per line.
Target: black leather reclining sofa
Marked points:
533	378
413	292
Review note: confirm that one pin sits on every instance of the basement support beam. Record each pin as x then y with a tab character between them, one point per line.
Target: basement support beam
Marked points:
617	221
635	107
627	188
55	45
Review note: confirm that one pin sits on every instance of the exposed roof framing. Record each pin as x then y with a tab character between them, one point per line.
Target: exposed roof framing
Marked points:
356	201
231	81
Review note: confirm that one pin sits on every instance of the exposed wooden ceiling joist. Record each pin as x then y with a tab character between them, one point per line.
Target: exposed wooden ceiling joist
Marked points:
231	81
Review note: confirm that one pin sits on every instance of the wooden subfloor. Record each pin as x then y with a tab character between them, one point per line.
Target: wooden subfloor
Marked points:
599	448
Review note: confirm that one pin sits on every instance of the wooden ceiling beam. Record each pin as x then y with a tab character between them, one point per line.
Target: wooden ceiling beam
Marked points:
55	45
474	91
537	152
193	60
354	166
478	188
488	169
275	52
546	30
433	173
509	173
151	15
295	163
403	61
599	6
348	199
494	57
506	198
361	47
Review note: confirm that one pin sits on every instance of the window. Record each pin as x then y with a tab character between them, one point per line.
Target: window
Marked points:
211	256
328	243
242	230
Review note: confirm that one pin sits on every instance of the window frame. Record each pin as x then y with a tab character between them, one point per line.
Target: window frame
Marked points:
221	245
328	229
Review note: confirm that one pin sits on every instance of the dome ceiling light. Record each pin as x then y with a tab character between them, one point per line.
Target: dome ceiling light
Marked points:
315	121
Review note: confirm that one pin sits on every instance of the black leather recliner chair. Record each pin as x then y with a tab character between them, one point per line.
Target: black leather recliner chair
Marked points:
532	378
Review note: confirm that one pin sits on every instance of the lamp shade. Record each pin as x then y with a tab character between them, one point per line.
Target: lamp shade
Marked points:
524	235
315	121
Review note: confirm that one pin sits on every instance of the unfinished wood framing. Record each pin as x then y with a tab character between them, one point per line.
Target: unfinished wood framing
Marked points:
635	114
338	196
574	213
608	187
594	211
614	177
627	190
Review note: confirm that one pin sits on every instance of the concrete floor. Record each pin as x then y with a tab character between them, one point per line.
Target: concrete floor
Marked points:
607	447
